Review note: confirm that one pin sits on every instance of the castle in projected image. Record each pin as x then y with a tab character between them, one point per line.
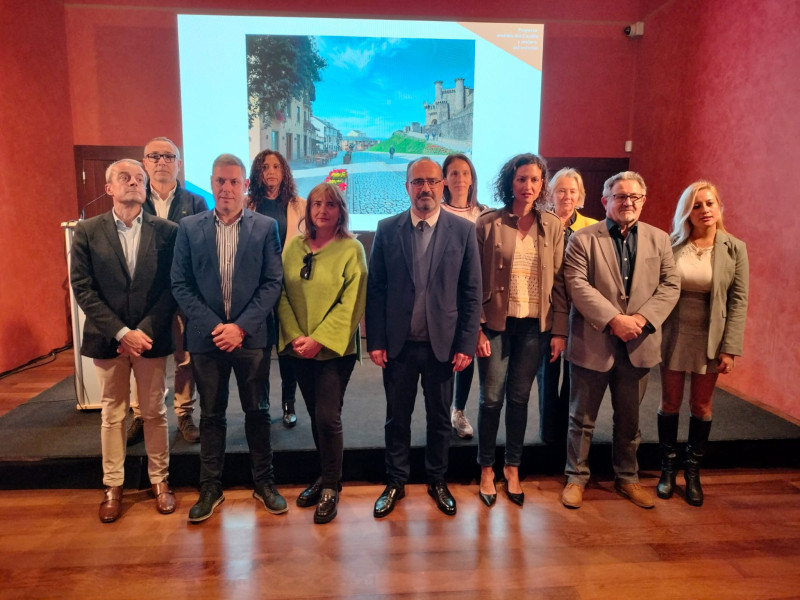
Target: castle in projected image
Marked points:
450	115
356	110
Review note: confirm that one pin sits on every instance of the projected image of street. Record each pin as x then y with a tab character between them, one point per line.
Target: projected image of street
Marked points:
356	110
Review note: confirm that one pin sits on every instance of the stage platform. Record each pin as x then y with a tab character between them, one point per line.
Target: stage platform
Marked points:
48	443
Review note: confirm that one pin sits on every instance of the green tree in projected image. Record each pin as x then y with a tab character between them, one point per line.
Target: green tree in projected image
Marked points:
280	68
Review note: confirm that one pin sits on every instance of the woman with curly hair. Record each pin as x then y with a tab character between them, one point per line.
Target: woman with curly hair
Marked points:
524	312
273	193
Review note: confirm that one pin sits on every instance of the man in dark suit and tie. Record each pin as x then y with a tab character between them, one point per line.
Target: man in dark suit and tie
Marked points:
227	277
422	319
622	279
166	198
120	264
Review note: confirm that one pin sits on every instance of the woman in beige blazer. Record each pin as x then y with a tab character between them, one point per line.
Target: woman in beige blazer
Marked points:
705	331
524	301
272	192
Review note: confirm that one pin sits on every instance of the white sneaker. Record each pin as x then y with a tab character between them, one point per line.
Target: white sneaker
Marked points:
459	422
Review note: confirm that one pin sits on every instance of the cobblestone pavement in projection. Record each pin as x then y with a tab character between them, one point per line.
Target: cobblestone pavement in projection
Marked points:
375	184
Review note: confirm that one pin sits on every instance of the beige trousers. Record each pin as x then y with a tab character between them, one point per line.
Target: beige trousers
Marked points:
184	399
114	376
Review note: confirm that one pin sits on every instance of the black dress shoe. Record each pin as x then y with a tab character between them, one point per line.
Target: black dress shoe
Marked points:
386	501
271	498
518	499
210	497
444	499
326	507
310	496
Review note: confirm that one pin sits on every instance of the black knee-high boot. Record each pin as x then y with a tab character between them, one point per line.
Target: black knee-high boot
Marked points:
667	436
695	449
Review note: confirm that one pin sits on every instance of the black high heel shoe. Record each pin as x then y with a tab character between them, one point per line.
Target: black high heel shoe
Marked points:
518	499
488	499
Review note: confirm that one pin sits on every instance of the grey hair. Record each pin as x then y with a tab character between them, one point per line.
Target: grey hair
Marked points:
623	176
169	141
113	167
229	160
571	174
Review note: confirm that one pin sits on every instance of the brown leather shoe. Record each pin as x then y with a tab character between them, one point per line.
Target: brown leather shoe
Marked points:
165	499
572	495
111	506
188	429
635	493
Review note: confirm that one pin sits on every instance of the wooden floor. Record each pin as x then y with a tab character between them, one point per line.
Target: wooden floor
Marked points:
744	543
21	387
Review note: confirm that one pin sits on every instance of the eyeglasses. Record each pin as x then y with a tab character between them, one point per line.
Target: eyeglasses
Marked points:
305	271
154	156
635	199
421	182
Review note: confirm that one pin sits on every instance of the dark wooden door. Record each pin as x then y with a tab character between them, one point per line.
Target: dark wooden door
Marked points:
91	163
594	172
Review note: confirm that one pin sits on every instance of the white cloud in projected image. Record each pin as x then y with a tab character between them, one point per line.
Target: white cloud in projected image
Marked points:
379	85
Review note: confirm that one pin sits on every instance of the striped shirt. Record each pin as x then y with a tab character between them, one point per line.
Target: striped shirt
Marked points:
227	243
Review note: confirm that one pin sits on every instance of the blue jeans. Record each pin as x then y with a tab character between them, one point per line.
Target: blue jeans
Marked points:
509	373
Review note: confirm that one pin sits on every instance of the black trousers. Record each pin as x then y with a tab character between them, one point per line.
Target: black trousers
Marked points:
400	377
212	373
323	383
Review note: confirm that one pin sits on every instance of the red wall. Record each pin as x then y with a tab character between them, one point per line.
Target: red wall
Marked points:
37	185
710	91
718	97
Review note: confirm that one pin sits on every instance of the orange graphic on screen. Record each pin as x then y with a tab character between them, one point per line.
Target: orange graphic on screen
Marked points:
519	39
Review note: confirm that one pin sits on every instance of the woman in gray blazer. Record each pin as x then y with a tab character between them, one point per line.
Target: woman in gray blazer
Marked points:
705	331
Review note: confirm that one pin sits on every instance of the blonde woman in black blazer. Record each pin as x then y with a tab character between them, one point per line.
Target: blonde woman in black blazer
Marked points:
705	331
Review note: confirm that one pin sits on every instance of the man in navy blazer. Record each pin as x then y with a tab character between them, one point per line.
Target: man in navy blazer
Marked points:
226	277
119	270
166	198
422	319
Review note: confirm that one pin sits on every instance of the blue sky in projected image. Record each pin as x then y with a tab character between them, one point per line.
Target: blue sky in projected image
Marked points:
379	85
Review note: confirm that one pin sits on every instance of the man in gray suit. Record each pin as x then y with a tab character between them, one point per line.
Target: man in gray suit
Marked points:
622	279
119	268
422	318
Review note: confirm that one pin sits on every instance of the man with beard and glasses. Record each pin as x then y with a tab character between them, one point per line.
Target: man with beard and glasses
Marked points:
422	318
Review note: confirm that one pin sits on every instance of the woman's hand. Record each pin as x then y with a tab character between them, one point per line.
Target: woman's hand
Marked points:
306	347
483	349
725	363
558	343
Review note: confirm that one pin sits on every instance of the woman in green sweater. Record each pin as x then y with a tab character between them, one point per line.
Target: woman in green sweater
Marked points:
323	299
